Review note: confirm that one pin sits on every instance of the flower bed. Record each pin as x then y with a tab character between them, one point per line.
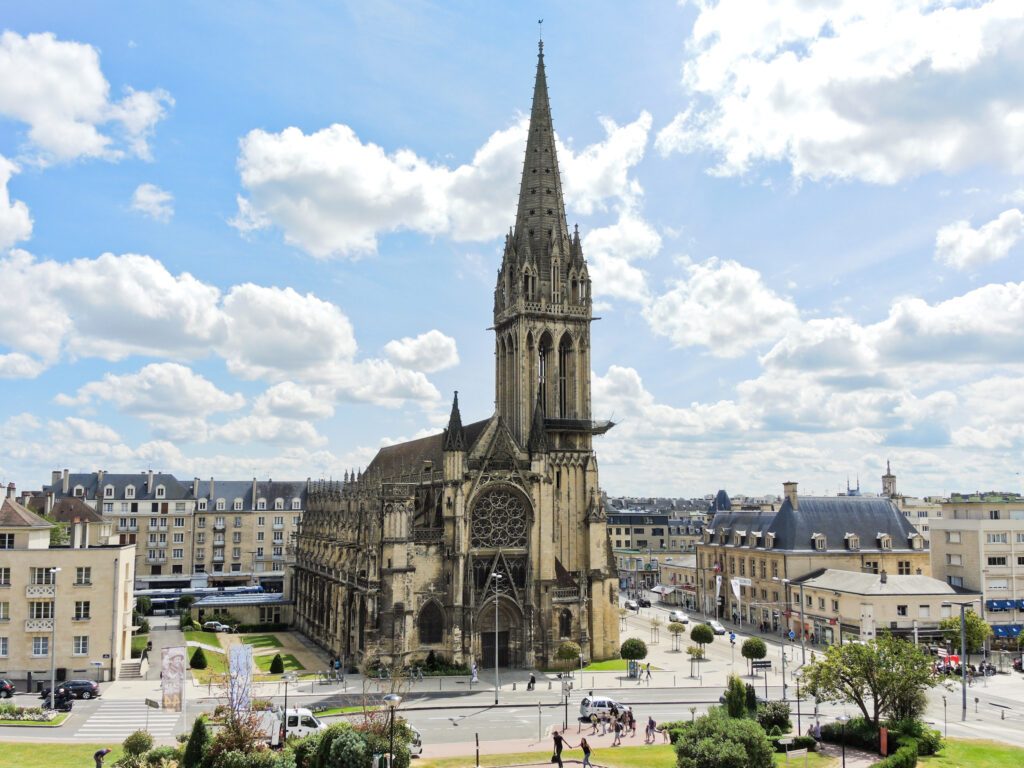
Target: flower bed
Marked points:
26	714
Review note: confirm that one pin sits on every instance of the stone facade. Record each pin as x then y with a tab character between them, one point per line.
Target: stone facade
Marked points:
501	520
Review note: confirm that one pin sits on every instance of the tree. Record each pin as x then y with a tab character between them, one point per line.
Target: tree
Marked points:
718	741
276	665
137	743
754	649
886	678
144	606
735	697
198	742
198	660
676	629
655	628
978	631
633	649
185	602
568	652
701	633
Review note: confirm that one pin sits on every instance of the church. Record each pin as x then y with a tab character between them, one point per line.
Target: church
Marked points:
487	542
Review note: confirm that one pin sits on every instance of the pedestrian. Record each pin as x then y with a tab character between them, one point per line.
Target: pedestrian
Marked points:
586	753
618	733
559	743
817	731
631	722
98	756
533	682
475	677
648	671
651	725
593	721
604	725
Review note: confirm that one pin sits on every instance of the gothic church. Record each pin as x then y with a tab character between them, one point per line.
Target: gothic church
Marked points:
500	520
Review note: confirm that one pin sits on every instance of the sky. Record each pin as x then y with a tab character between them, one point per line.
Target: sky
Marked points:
260	239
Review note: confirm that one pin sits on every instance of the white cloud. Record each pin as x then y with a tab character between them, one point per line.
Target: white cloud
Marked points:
428	352
723	306
154	202
611	251
76	430
866	89
15	365
268	429
331	194
15	220
58	90
293	401
962	247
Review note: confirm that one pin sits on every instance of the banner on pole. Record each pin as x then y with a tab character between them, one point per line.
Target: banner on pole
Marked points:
172	677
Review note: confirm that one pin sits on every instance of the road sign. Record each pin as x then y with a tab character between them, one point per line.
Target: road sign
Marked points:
741	581
792	634
766	664
152	704
732	638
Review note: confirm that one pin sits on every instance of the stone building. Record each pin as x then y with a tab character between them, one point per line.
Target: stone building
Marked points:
502	516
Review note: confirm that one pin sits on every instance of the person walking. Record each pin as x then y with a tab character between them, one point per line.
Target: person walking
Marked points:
533	682
475	678
560	742
618	732
593	721
651	725
586	753
98	756
648	671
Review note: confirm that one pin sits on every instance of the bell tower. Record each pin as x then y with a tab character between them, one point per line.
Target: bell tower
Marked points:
542	304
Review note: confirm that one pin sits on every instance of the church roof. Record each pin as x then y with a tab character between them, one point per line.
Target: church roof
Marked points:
410	456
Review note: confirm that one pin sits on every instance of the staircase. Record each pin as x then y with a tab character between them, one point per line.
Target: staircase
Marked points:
131	670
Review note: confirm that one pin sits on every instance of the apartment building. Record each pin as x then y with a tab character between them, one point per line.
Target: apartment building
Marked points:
642	540
978	544
749	558
67	605
192	534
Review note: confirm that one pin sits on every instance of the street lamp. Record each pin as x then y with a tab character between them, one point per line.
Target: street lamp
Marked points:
287	677
803	648
843	719
497	577
963	652
392	700
53	637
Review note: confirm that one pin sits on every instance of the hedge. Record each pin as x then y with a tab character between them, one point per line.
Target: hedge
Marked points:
279	627
904	757
799	742
859	733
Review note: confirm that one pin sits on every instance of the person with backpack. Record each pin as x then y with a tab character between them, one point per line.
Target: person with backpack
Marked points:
651	725
618	732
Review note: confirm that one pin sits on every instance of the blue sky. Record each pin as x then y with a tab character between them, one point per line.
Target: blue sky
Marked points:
243	238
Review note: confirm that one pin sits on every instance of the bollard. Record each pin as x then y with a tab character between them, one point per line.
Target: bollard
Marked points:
673	681
513	686
549	685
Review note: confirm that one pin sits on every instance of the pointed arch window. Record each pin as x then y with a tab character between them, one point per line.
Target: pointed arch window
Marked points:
543	351
565	378
431	624
565	623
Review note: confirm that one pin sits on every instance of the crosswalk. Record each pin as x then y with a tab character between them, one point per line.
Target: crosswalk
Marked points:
114	720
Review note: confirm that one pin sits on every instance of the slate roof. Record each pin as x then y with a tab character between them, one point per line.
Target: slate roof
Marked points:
229	490
13	515
855	583
72	510
832	516
408	457
174	489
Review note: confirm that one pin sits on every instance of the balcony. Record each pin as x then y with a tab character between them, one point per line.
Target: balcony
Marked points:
427	535
565	594
218	558
219	542
40	590
278	526
219	526
81	618
38	625
156	558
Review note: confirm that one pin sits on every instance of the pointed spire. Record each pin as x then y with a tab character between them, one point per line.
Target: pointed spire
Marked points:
538	440
454	437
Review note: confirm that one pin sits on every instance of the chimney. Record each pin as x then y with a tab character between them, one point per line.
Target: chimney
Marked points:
149	482
253	501
10	491
100	474
885	576
195	487
49	502
54	477
65	482
212	494
789	491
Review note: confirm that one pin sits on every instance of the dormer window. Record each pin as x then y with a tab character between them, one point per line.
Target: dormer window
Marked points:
237	505
261	504
221	504
884	541
819	540
79	491
129	492
278	503
296	504
917	541
769	541
161	492
108	492
202	505
852	541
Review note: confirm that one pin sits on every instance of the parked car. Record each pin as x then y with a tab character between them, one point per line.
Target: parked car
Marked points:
215	626
6	689
274	730
717	628
79	689
643	602
631	605
679	617
600	706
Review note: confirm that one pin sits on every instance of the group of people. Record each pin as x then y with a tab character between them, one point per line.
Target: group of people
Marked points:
620	723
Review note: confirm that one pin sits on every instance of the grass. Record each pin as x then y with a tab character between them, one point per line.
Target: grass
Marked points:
216	664
608	665
345	710
139	645
28	755
290	662
58	720
206	638
259	642
962	753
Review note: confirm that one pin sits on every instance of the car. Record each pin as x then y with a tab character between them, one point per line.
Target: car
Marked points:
78	689
643	602
215	626
717	628
679	617
6	689
416	745
600	706
631	605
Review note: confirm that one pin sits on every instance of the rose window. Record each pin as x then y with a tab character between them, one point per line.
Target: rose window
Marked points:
499	520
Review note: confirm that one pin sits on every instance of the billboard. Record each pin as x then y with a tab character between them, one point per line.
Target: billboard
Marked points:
173	664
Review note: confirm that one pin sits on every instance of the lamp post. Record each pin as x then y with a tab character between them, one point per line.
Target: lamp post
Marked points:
53	638
497	577
803	647
963	653
392	700
287	677
843	719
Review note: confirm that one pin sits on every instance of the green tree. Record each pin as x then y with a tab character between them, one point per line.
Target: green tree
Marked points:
978	631
718	741
198	660
276	664
185	602
735	697
633	649
676	630
137	743
568	652
198	742
701	633
144	606
349	750
884	678
754	649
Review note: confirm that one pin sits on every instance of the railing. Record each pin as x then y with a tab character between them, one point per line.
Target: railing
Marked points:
278	526
40	590
38	625
219	526
565	594
425	535
218	558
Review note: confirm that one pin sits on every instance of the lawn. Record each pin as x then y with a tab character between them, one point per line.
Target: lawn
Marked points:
968	754
657	756
216	664
27	755
206	638
290	662
259	642
139	645
58	720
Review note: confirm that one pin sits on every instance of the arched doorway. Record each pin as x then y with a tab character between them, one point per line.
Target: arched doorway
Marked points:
508	638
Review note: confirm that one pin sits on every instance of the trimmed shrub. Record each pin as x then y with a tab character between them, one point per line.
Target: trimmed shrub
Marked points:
735	697
277	665
330	734
774	713
156	756
198	660
305	750
377	735
928	740
198	742
904	757
702	633
633	649
138	743
269	627
568	651
799	742
719	741
751	696
859	733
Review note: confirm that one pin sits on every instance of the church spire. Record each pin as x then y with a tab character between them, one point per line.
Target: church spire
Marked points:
454	437
541	214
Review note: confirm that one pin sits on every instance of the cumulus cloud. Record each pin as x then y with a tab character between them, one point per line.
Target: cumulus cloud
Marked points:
723	306
611	252
293	401
332	194
150	200
57	89
15	365
428	352
268	429
15	220
856	89
963	247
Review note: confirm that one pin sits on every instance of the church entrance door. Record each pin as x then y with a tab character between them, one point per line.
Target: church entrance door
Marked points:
487	650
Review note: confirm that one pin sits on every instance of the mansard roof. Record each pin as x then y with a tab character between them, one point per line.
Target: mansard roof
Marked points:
173	488
229	490
409	457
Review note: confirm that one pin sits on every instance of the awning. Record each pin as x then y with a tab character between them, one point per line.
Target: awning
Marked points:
1001	605
661	589
1007	630
1020	605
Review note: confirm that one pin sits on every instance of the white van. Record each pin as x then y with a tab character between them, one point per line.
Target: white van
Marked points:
600	706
